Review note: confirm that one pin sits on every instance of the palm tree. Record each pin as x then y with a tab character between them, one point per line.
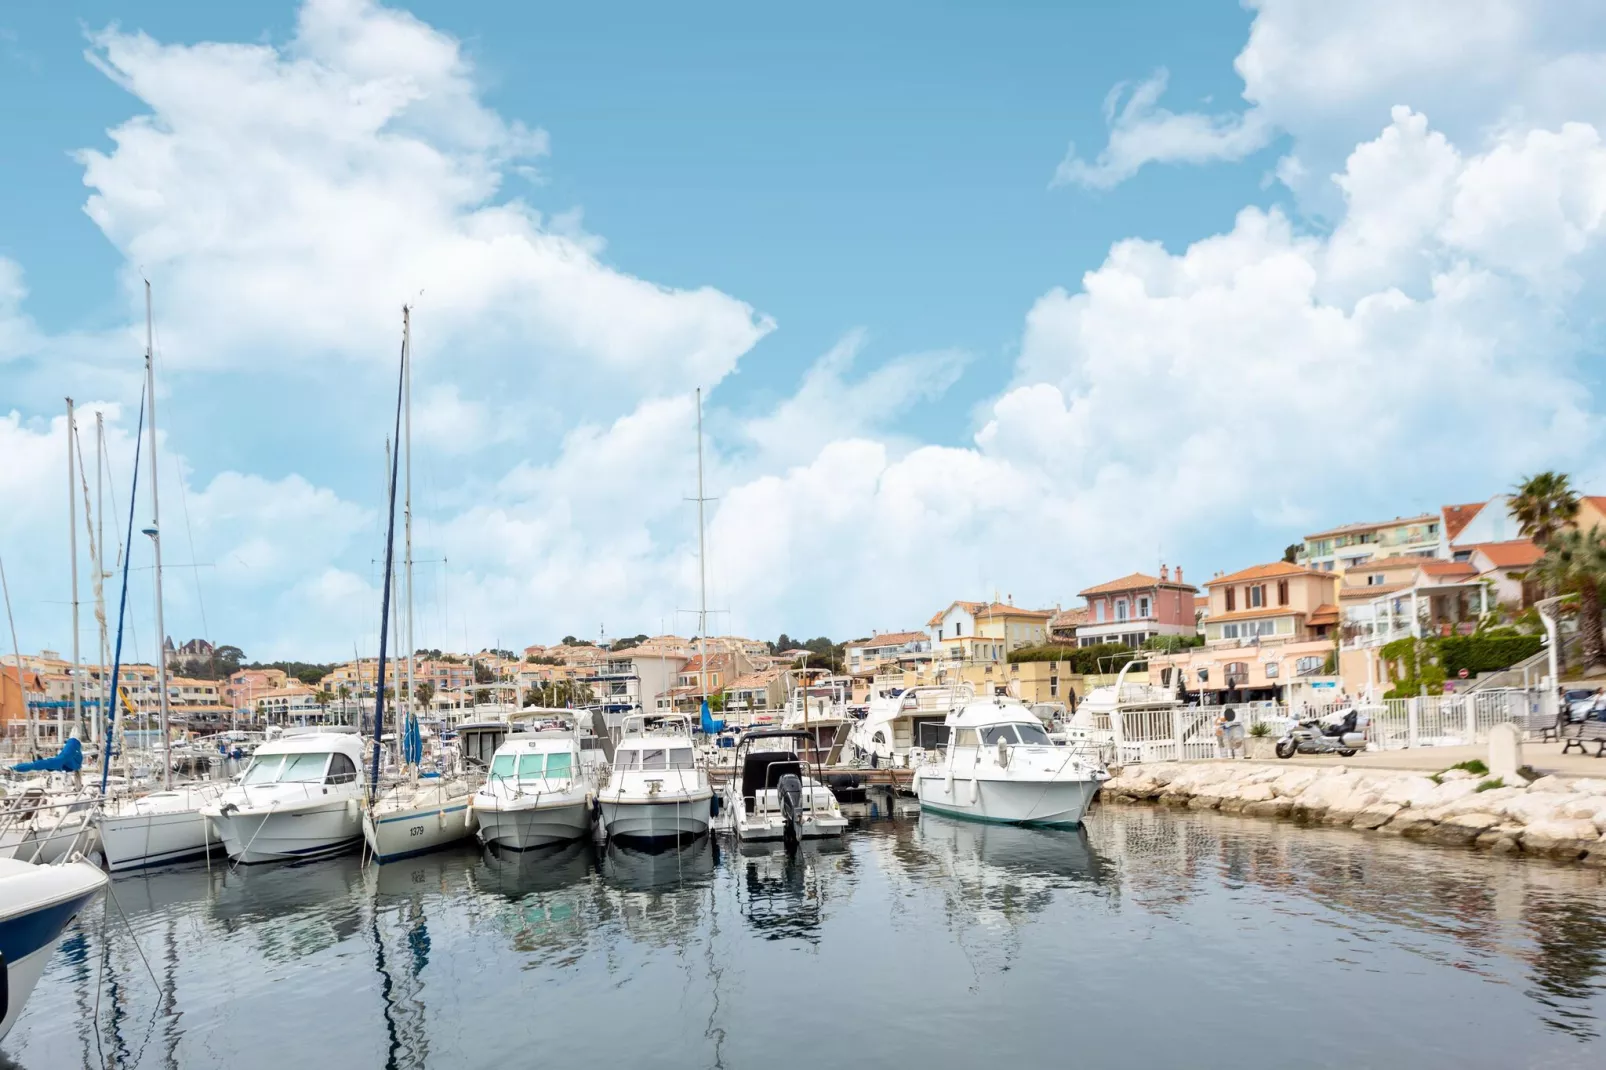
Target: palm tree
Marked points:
426	692
1575	563
1543	505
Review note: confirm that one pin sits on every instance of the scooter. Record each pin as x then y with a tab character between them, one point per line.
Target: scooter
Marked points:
1342	737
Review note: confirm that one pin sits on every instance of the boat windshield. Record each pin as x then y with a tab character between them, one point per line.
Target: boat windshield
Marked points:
651	758
1013	733
287	769
502	767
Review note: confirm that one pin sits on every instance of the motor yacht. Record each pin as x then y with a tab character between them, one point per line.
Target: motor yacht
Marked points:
37	903
658	788
905	721
301	797
999	765
540	791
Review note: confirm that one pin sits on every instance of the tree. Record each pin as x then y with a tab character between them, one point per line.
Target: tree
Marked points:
1575	563
482	696
483	674
1543	505
1291	552
322	697
231	656
426	692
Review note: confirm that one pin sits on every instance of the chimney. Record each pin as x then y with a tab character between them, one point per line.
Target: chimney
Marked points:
1179	573
1165	573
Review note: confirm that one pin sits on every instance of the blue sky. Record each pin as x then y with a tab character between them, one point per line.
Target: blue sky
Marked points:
853	229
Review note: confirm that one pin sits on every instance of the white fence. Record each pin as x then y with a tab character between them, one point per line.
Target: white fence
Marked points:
1189	733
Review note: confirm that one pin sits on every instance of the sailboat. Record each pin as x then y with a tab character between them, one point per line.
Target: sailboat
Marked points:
168	825
420	811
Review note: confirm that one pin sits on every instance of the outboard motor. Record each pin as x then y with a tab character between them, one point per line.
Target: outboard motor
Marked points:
790	789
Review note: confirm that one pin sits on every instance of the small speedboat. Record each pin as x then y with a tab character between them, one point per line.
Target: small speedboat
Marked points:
999	764
301	797
538	792
773	794
658	788
37	903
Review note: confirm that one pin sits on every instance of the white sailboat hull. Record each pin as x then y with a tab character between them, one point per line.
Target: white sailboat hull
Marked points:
138	841
402	832
1010	801
524	827
638	819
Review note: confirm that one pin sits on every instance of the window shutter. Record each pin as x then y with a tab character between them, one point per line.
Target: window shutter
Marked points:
1230	599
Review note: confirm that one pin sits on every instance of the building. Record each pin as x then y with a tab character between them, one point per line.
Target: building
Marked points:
245	684
1402	597
1354	544
357	677
287	703
1062	626
756	692
1007	626
863	655
635	680
1135	608
1505	566
1278	602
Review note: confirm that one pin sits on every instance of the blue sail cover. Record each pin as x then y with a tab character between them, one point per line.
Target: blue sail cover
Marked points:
710	726
69	759
412	743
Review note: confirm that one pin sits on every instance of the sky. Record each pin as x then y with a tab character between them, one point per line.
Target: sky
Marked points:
982	300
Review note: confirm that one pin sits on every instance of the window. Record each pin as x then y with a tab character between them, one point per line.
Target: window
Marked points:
1256	596
1232	602
559	765
303	768
531	766
1143	608
967	737
1053	687
655	758
959	627
1271	670
1282	592
1033	734
993	733
1120	609
681	758
628	759
1307	665
342	770
1098	611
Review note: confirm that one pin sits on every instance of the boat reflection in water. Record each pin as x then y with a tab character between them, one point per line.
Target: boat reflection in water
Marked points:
516	874
658	894
1008	870
783	893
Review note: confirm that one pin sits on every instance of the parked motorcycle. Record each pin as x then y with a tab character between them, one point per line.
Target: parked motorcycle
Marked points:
1342	736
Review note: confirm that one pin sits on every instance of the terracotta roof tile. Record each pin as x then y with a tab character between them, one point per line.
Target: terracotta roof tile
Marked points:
1274	570
1323	614
1516	553
1255	614
1136	581
1376	590
1448	568
1457	517
1069	618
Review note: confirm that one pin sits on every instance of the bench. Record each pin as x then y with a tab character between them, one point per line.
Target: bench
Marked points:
1577	735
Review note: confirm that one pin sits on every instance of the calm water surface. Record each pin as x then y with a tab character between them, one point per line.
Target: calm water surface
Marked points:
1151	939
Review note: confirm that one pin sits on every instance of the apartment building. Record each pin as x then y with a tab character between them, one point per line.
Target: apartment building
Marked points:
1355	544
1136	608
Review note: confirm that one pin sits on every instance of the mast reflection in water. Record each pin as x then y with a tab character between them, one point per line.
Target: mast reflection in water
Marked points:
1150	938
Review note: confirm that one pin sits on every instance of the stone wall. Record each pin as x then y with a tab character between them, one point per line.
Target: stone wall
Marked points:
1553	817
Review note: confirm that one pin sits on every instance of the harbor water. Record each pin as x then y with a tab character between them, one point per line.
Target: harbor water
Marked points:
1151	938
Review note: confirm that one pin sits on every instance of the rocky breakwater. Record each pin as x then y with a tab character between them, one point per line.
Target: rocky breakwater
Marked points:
1553	817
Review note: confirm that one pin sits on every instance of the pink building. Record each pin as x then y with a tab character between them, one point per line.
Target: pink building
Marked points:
1135	608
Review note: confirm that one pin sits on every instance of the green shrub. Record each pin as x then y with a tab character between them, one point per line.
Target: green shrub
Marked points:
1485	653
1260	729
1471	765
1083	660
1490	785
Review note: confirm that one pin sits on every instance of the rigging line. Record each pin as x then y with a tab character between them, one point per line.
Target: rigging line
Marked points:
89	527
184	506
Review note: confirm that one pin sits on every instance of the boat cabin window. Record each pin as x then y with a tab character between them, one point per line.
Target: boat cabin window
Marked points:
531	766
1034	734
992	734
681	758
560	765
627	759
655	758
502	767
264	770
967	737
342	770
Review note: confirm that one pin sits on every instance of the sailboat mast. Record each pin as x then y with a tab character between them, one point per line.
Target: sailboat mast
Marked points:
407	502
100	573
155	533
702	567
72	549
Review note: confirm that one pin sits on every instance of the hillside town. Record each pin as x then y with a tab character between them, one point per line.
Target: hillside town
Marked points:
1350	611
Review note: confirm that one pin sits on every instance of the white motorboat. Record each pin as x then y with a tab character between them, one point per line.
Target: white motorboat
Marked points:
301	797
904	723
998	764
159	828
658	788
37	903
539	792
773	794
